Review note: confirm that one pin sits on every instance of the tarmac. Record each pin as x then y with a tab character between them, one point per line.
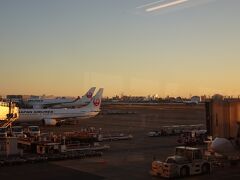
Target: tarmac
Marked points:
126	159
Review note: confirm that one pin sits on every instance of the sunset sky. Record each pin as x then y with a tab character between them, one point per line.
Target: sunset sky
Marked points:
63	47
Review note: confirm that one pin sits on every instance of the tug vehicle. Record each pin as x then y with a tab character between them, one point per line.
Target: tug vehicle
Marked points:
187	161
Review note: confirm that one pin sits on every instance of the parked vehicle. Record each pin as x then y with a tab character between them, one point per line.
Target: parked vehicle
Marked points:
187	161
195	137
33	131
17	131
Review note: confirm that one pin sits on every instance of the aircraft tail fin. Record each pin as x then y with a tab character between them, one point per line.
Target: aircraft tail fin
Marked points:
96	101
88	96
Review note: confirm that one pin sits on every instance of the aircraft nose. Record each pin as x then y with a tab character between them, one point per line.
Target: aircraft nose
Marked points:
215	145
221	145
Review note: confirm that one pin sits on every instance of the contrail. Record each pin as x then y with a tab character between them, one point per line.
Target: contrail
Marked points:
149	4
165	5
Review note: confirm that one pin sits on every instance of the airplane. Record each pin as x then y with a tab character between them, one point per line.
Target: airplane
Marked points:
54	117
190	102
79	102
225	147
193	101
62	102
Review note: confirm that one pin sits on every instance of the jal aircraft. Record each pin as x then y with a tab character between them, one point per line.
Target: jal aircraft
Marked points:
62	102
56	116
193	100
225	147
79	102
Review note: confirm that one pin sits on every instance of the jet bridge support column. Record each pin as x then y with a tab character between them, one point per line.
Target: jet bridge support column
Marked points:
238	136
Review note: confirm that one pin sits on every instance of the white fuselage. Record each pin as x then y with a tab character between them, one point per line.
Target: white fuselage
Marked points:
52	116
76	104
27	115
225	147
40	103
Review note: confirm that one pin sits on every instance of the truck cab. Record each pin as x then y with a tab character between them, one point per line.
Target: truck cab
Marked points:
33	131
17	131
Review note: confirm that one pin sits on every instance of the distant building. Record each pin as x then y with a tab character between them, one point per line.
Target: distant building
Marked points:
217	97
179	99
34	97
196	99
203	98
17	99
223	117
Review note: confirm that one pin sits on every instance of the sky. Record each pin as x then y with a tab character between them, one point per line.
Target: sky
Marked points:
64	47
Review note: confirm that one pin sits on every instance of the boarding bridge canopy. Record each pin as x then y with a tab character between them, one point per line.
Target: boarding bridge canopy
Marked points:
10	113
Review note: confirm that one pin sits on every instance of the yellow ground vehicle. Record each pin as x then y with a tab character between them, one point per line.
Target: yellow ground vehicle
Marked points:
187	161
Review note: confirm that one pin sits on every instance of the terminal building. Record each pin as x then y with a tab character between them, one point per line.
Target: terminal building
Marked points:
223	118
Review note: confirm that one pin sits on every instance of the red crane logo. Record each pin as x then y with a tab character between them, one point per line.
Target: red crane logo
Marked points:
89	94
96	102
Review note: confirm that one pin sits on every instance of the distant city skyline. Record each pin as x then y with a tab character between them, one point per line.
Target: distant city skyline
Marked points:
137	47
155	96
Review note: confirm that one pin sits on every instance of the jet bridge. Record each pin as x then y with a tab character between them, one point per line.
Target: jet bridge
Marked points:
223	118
